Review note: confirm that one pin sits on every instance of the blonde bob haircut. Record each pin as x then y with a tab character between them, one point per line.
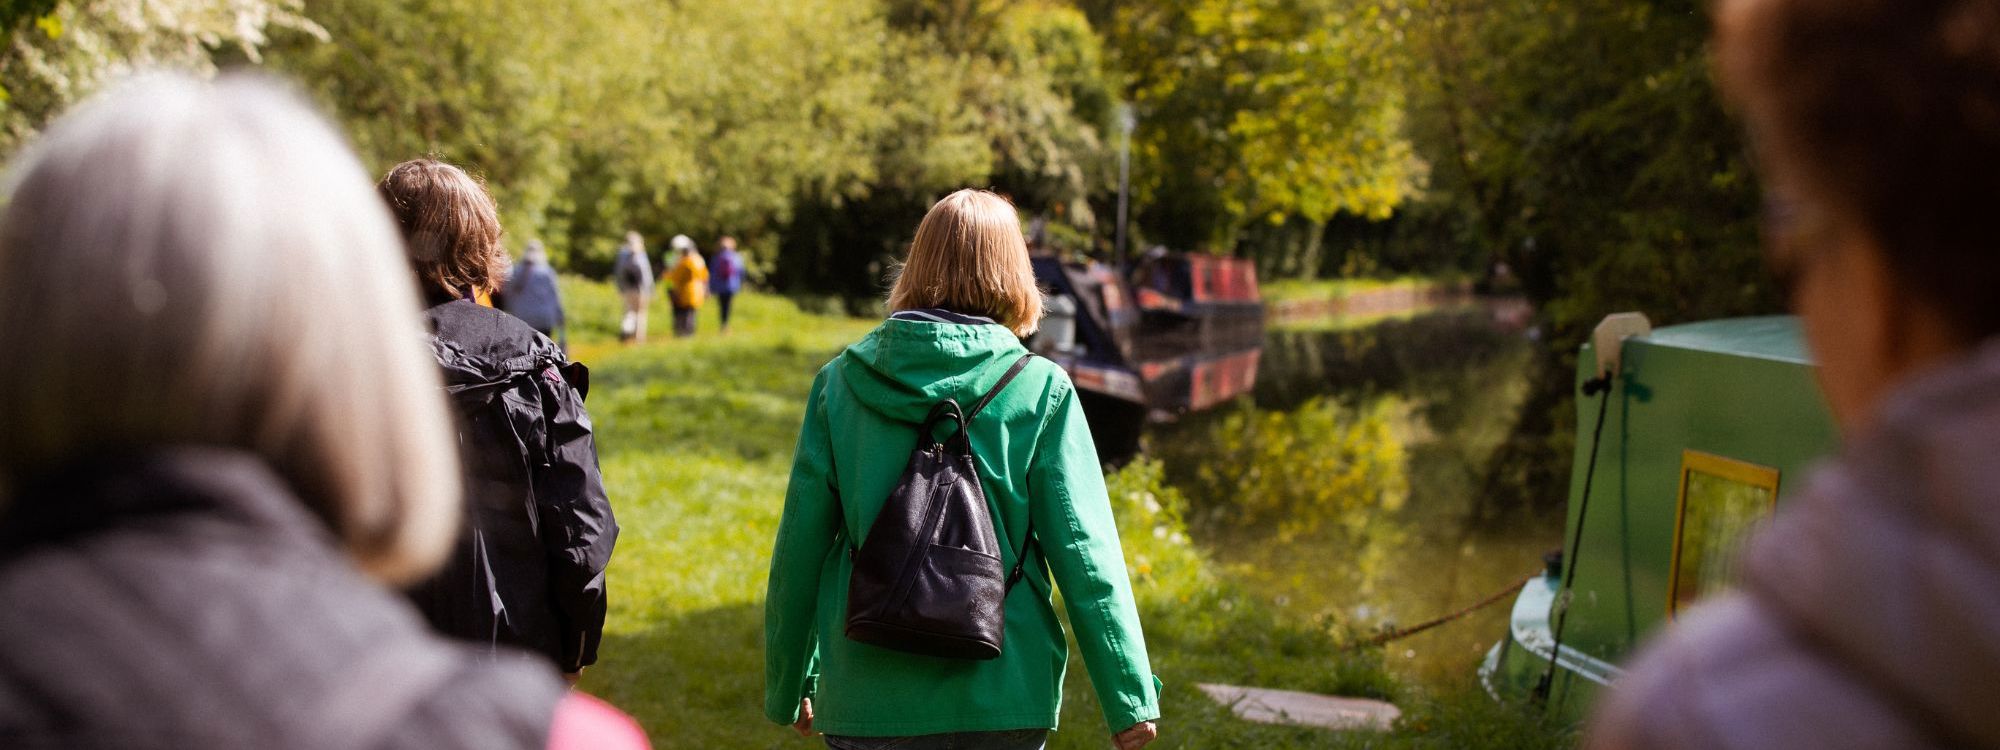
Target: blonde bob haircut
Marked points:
970	257
186	263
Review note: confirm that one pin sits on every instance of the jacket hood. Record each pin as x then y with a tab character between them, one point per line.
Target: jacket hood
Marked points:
1889	558
463	367
476	345
903	368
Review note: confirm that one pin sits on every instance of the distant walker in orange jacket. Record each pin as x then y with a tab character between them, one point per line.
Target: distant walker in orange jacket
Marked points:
687	284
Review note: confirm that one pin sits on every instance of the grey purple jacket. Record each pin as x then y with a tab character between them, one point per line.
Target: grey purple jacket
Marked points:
1869	615
186	598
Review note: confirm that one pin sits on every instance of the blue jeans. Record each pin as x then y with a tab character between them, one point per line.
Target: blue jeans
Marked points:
1015	739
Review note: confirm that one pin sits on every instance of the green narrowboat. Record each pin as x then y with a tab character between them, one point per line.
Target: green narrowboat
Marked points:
1686	437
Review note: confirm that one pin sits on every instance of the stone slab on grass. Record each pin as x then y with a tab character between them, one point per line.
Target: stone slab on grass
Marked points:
1305	709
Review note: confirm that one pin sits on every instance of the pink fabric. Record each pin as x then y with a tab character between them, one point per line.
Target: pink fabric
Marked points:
586	723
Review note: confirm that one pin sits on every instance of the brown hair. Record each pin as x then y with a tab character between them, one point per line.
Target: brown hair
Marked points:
1883	117
450	224
969	257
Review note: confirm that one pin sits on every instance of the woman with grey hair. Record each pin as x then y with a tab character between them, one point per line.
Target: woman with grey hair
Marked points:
210	468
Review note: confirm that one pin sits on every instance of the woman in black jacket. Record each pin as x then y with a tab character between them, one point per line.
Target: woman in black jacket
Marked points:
209	465
529	568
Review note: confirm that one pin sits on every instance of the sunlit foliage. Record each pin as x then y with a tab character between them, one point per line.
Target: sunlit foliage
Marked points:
1259	111
57	53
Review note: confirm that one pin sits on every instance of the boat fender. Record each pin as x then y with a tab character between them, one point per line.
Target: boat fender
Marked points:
1609	341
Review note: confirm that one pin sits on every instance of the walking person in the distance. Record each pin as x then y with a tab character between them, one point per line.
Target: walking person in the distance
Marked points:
533	295
725	278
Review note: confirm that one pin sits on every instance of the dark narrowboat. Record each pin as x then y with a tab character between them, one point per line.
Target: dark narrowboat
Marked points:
1176	292
1133	364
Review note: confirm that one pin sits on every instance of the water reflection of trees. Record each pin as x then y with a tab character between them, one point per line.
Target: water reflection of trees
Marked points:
1328	471
1295	472
1333	403
1349	485
1420	358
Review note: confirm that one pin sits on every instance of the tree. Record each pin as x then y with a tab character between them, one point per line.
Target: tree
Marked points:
1260	111
591	118
1583	145
979	93
60	52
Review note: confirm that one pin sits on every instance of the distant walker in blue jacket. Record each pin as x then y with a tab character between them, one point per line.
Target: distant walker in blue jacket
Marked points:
725	276
531	291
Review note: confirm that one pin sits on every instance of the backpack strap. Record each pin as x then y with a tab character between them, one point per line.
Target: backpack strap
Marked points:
1028	539
963	418
964	423
1021	558
1019	365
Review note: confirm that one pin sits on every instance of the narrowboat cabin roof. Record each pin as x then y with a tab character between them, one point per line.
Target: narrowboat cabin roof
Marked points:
1775	337
1704	426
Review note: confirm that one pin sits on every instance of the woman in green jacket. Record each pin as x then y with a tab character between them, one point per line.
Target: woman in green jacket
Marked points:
965	297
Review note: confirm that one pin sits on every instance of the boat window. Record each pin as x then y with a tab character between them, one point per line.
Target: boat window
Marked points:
1721	499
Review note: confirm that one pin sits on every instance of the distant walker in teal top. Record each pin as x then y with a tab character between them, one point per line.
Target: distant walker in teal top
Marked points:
964	298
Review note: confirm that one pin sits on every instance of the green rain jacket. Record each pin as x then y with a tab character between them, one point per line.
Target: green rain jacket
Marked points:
1035	457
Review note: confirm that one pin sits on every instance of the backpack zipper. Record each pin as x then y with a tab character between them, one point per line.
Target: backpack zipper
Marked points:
934	512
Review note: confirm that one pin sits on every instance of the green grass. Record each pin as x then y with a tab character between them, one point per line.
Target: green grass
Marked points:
1295	290
695	437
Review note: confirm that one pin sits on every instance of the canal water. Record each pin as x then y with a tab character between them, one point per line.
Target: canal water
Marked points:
1345	486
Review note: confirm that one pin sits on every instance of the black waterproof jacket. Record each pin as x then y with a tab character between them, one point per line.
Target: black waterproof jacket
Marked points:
185	598
529	567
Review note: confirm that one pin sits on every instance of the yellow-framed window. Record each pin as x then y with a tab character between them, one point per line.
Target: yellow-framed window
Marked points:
1721	500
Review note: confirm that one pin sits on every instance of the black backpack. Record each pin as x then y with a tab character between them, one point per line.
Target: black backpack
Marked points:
629	275
927	579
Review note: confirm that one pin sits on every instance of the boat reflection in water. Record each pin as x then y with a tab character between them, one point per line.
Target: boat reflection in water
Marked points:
1189	339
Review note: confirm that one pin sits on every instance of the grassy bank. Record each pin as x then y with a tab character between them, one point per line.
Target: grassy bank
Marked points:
1345	304
696	438
1300	290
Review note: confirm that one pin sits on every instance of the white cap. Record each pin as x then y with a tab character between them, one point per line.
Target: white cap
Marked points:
682	242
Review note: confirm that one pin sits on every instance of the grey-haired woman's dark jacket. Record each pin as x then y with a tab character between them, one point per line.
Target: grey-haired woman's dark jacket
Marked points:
529	568
187	599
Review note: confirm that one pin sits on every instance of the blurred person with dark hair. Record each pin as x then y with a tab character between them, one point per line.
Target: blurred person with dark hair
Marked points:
1869	610
529	568
532	294
210	468
726	277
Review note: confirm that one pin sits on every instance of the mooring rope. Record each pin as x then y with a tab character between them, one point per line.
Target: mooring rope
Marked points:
1401	633
1599	386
